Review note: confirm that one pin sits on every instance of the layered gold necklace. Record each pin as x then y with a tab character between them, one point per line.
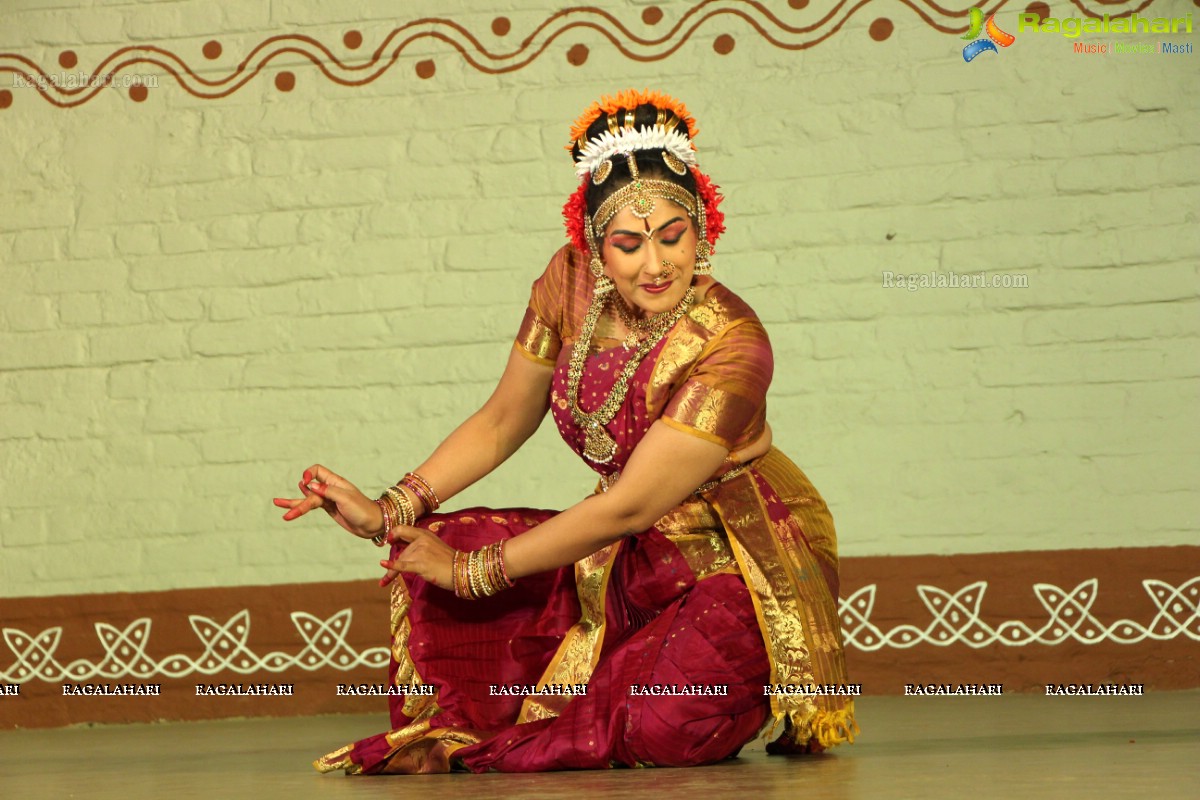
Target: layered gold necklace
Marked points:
599	446
638	329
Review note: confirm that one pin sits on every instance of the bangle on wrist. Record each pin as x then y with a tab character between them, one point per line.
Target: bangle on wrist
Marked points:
380	539
405	513
422	491
480	573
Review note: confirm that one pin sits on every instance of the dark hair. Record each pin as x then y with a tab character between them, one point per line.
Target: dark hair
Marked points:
650	163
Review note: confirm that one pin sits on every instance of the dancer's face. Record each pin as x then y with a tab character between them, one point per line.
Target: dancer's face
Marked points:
651	260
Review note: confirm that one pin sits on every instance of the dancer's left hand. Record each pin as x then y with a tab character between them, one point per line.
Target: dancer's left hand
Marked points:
424	554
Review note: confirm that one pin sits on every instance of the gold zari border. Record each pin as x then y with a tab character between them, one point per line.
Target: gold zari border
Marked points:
694	528
537	340
420	708
796	612
580	648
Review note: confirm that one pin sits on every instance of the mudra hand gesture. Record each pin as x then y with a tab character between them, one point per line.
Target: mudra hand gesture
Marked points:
341	500
423	554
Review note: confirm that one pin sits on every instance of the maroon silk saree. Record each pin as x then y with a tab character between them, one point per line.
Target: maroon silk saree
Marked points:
657	649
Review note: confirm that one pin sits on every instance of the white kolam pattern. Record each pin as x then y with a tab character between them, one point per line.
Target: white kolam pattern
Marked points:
224	648
955	619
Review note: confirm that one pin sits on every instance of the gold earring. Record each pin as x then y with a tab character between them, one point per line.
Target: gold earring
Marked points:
703	248
604	283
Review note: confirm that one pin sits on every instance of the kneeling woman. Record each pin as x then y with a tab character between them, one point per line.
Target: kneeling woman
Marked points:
641	625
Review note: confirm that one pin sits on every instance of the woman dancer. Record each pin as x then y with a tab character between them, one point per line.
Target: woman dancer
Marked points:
685	605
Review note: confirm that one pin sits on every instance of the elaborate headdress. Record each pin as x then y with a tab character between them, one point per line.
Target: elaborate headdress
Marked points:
615	131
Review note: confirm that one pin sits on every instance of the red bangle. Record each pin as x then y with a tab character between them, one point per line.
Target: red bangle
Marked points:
380	539
503	568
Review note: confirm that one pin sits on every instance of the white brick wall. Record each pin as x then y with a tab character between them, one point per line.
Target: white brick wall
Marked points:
201	297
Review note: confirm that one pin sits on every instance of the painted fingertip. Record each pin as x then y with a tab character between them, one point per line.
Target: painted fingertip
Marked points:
307	476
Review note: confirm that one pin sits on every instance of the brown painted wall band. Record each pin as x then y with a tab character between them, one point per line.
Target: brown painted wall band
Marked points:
1021	619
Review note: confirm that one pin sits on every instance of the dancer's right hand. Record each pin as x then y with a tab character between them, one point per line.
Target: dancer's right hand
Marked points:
341	500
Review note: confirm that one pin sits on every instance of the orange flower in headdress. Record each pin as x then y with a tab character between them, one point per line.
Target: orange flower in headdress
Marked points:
575	210
628	100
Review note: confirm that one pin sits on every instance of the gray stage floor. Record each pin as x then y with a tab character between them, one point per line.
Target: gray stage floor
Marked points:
1020	746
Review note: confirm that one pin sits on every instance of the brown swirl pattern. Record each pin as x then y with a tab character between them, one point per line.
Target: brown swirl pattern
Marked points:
559	34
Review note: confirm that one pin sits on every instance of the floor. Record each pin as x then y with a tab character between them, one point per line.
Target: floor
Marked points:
1020	746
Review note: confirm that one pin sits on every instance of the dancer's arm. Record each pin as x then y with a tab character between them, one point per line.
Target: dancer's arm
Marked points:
493	433
475	448
665	467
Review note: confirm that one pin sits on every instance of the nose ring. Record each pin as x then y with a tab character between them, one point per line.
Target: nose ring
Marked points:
669	272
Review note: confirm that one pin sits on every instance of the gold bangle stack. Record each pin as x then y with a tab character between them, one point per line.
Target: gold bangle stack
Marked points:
480	573
397	510
406	513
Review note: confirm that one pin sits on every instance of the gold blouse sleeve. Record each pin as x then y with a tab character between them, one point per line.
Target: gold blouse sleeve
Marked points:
724	399
536	340
540	335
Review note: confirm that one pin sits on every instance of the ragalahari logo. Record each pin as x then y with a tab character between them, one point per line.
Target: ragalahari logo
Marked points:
994	37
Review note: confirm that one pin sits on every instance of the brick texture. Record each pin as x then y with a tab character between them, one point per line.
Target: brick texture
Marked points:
202	297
